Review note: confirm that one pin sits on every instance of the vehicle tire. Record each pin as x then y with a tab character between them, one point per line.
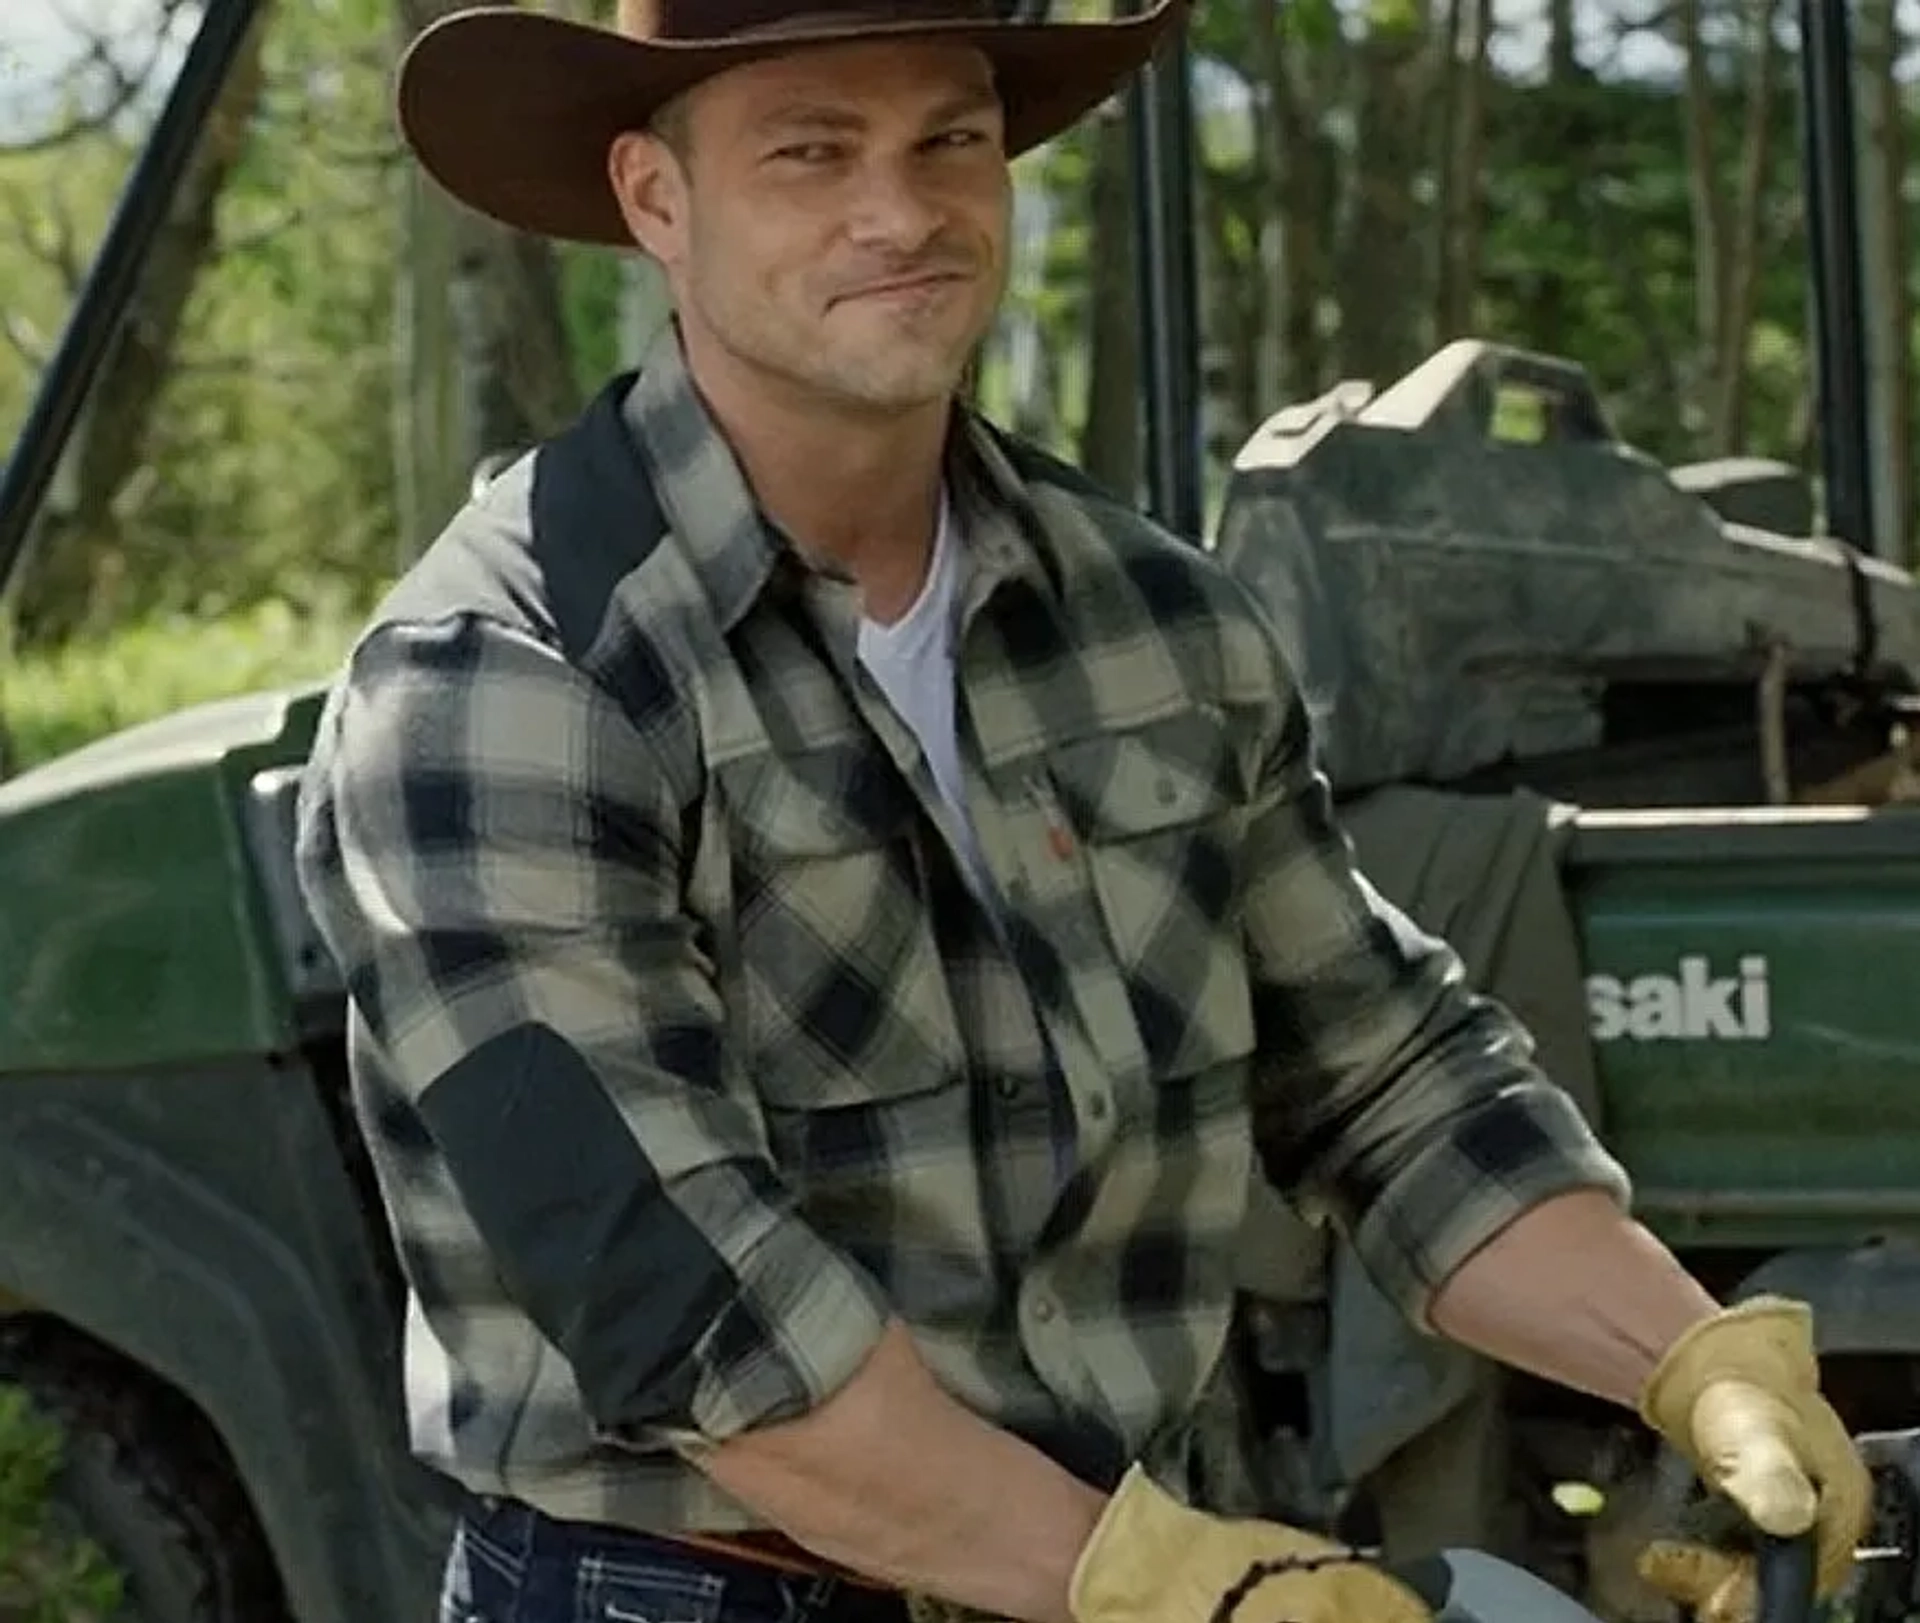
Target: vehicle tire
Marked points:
144	1479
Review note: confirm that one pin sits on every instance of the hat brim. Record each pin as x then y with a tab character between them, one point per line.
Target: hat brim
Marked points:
513	112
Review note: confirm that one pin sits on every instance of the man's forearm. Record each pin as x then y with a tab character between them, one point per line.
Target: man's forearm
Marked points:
1576	1291
894	1479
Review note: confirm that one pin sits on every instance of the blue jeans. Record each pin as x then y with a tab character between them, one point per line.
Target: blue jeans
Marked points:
511	1564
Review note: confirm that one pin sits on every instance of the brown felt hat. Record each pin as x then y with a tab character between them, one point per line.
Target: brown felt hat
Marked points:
513	111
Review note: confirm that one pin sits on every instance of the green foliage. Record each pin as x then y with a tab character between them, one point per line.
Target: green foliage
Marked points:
65	197
590	290
268	466
48	1572
1313	23
269	473
54	702
1593	257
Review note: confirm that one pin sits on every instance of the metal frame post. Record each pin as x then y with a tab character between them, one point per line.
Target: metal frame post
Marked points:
1829	136
1160	125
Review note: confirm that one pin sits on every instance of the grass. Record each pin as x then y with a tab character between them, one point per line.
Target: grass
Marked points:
48	1574
52	704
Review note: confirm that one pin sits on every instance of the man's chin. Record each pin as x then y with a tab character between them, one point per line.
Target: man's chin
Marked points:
896	388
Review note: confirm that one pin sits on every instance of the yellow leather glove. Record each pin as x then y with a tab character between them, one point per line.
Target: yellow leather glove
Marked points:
931	1609
1739	1396
1715	1585
1152	1559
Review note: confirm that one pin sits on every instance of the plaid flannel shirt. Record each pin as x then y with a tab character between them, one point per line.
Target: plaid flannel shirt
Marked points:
687	1058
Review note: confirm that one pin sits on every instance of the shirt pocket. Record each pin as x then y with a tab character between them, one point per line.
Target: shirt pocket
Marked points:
849	1033
1160	810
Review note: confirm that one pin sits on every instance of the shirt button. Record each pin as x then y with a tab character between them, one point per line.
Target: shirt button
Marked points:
1008	1087
1097	1107
1043	1310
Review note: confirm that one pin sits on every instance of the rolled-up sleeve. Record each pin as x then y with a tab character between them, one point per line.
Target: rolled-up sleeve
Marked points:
494	855
1387	1093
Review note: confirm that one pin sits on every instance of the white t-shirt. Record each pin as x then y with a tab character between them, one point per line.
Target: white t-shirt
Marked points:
912	661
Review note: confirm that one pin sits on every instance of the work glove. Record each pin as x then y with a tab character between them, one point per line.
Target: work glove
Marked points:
1738	1396
924	1608
1151	1559
1716	1586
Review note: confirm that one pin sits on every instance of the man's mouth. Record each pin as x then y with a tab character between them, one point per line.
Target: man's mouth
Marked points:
921	284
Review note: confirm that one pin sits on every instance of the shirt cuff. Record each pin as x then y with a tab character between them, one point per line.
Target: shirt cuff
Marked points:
802	1322
1511	1151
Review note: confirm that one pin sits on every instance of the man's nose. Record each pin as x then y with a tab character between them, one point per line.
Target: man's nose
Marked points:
896	207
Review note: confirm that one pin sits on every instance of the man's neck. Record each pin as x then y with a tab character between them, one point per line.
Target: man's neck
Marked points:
862	491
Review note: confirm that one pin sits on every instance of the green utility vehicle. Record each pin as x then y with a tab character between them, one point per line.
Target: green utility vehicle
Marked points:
1633	737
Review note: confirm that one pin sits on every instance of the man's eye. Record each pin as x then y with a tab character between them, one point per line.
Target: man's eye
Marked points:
808	152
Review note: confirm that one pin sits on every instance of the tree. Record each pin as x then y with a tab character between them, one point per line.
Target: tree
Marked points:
79	553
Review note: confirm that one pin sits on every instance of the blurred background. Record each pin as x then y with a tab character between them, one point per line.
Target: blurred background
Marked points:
325	347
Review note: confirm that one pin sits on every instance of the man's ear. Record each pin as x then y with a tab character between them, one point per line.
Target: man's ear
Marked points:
651	189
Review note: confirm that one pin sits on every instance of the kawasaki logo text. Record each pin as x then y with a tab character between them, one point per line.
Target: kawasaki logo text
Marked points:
1694	1005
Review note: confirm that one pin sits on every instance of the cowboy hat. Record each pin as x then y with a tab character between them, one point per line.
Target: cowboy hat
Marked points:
513	112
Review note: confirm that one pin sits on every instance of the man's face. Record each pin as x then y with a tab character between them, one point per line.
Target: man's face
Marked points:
835	220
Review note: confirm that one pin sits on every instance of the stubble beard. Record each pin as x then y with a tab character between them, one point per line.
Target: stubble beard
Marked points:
883	366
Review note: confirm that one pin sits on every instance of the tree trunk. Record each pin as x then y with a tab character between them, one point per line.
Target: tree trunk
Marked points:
1460	141
485	363
1110	439
1711	279
1563	56
1741	273
1469	154
430	478
1447	176
1300	170
1381	298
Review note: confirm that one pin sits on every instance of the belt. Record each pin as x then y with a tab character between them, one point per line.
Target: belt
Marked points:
775	1551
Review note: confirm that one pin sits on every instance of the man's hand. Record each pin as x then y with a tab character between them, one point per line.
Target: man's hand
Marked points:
1739	1396
1153	1560
1714	1585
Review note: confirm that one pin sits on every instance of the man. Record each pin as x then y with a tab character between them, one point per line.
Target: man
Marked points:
836	912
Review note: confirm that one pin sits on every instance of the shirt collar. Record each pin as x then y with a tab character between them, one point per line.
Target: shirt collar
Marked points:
710	508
